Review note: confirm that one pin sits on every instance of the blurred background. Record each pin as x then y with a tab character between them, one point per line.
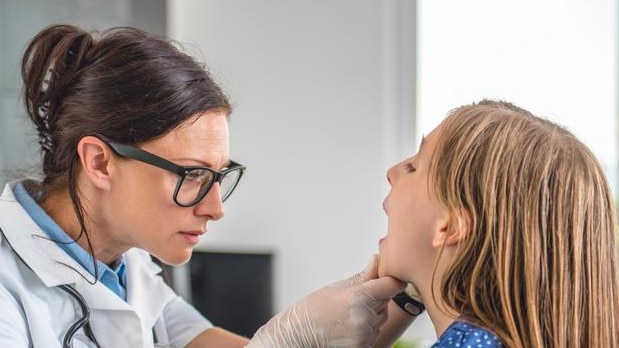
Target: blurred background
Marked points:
328	94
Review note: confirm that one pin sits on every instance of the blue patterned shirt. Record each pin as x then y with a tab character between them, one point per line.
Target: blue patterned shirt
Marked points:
465	335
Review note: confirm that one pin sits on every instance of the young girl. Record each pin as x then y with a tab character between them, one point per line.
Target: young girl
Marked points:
505	225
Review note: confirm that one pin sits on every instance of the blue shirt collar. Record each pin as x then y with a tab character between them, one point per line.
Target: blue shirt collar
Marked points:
114	279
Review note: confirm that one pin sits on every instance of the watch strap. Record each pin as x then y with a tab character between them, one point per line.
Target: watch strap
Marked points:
408	304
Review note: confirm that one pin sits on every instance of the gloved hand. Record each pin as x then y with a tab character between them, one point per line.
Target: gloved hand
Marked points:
347	313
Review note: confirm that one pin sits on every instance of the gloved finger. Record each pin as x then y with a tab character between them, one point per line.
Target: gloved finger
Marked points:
369	339
378	318
381	289
370	312
369	331
364	338
373	313
369	272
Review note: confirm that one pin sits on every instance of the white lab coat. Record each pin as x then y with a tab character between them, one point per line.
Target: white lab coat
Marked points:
35	313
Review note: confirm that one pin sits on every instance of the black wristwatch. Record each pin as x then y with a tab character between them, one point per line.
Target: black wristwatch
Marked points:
408	304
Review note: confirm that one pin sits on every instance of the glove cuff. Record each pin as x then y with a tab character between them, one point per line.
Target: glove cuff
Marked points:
408	304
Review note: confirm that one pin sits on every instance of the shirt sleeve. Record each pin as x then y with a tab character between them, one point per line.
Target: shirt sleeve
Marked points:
183	322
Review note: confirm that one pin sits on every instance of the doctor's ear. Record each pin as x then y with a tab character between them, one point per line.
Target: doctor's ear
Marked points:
95	157
454	230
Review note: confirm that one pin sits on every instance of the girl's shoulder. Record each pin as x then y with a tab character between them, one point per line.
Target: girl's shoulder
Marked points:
467	335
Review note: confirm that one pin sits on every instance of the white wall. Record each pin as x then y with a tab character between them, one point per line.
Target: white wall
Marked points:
324	101
556	58
325	104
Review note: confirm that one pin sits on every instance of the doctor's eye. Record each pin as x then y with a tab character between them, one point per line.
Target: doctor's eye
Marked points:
409	167
198	175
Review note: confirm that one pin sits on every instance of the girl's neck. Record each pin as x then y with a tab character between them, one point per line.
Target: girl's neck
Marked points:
441	318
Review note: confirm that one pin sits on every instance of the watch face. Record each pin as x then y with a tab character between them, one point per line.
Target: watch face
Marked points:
408	304
413	309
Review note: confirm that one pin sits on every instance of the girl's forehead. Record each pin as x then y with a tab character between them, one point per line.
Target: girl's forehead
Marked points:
428	142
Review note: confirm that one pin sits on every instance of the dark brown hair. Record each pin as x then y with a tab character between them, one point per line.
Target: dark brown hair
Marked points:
125	84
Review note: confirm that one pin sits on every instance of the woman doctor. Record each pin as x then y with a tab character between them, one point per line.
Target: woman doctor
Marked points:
134	139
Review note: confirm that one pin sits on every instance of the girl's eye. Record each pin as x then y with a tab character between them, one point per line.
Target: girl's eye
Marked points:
409	167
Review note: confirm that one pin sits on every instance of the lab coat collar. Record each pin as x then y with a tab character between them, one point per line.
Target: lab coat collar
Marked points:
55	267
146	296
50	263
142	289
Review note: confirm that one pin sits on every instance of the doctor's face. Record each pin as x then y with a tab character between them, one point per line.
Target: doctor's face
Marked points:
414	217
141	210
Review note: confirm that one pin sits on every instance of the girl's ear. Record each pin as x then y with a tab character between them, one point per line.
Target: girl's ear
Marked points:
95	158
453	229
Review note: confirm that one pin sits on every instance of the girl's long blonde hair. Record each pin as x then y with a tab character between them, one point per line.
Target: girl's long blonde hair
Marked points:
538	267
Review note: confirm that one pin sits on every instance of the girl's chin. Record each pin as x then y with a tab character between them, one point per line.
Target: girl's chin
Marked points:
384	271
381	267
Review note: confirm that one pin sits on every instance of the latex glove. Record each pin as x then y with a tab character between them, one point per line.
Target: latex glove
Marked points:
348	313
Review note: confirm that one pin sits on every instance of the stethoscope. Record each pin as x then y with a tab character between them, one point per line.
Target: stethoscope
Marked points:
82	322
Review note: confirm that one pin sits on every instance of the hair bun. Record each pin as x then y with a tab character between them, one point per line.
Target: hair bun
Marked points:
52	61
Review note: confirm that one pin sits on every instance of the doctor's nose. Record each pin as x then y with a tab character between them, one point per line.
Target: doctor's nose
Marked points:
211	205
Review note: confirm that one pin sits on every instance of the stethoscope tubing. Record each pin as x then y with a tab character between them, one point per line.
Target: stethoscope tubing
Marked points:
83	322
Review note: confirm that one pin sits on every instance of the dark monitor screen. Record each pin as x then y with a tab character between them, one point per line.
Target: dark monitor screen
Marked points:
233	290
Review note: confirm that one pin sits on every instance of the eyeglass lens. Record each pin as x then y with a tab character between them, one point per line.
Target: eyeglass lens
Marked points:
198	182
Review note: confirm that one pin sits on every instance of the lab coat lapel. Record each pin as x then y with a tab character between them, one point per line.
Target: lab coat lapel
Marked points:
50	263
146	296
55	267
145	291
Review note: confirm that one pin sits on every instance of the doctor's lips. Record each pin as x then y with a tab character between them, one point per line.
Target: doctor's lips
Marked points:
192	237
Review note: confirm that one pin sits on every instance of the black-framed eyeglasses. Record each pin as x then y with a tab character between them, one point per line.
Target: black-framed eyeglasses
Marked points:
194	182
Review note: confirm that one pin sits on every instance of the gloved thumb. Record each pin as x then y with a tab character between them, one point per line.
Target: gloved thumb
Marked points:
381	290
369	272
